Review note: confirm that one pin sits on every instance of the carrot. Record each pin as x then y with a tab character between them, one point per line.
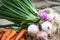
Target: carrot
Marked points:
7	29
2	30
21	33
6	34
1	35
22	39
11	35
13	38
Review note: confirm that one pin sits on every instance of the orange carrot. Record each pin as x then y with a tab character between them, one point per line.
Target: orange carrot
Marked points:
13	38
21	33
1	35
6	34
2	30
11	35
7	29
22	39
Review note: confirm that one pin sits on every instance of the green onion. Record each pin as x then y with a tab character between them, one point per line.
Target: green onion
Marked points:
18	11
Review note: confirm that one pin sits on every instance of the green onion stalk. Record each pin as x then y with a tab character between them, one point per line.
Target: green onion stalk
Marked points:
19	11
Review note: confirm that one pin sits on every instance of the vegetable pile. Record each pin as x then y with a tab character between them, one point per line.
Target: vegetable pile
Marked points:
42	23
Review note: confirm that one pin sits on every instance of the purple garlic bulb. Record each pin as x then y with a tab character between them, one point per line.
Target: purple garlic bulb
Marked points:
44	15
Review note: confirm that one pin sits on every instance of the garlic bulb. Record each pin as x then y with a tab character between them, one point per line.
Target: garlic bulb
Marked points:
56	21
42	34
54	30
57	17
47	14
33	29
47	26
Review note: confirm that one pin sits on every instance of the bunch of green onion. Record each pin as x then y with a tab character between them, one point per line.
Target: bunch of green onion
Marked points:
19	11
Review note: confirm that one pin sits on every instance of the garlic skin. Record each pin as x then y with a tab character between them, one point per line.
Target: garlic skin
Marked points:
56	21
57	17
54	30
47	14
33	29
42	34
47	26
